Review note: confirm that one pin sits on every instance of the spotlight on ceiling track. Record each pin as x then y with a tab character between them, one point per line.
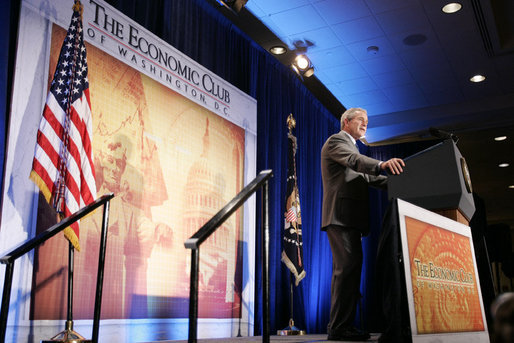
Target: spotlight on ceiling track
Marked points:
303	66
234	5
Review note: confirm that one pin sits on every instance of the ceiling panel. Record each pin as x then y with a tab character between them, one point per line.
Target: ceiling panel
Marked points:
338	92
273	6
256	10
444	23
325	80
437	82
346	72
469	64
503	64
377	109
406	96
480	90
431	74
410	19
364	99
393	79
358	30
442	96
331	57
379	6
338	11
298	20
359	85
274	27
384	64
322	39
420	58
360	49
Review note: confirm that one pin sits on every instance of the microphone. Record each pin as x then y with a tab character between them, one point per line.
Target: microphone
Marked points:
442	134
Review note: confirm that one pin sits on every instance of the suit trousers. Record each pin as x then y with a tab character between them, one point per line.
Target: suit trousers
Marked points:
346	247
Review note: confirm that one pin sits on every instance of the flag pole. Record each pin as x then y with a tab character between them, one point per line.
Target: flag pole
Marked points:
58	199
68	335
291	329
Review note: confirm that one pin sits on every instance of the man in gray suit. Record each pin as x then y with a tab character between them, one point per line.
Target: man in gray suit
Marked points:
346	176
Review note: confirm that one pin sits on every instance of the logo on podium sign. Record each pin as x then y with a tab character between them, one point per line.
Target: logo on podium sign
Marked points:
443	288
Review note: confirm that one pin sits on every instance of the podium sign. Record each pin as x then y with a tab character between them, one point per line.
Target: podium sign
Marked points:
443	289
436	179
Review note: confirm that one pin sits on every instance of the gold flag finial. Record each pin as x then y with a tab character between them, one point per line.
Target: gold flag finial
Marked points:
291	123
77	6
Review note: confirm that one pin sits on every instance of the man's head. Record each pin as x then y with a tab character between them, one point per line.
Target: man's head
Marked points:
113	164
355	122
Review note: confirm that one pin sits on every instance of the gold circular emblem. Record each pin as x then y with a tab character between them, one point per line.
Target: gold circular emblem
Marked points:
465	174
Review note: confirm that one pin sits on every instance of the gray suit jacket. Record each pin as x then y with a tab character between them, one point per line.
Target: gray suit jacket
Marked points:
346	176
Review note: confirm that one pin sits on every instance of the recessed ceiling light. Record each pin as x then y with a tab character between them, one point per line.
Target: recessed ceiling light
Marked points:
277	50
503	165
452	7
477	78
500	138
511	186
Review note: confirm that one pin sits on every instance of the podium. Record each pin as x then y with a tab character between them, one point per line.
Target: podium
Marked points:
436	179
426	267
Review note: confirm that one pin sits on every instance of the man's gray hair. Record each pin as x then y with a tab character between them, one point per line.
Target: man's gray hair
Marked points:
351	113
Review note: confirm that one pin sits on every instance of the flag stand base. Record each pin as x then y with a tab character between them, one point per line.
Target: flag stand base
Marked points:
68	335
291	330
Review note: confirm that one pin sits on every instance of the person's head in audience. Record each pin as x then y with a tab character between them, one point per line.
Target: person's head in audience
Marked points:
502	310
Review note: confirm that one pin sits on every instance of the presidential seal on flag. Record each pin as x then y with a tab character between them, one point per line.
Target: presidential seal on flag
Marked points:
292	253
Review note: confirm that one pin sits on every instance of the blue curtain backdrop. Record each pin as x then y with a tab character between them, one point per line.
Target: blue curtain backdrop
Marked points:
7	44
196	28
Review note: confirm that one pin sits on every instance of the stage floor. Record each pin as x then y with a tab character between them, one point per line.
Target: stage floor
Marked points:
289	339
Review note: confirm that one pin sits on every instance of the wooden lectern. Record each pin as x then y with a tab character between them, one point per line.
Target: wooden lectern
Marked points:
436	179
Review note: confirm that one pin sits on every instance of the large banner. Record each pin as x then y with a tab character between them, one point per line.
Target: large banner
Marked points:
443	288
172	140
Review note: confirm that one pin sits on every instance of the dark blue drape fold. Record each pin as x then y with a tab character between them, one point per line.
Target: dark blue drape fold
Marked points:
9	11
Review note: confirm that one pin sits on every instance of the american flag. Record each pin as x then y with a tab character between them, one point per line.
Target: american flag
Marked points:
292	241
63	160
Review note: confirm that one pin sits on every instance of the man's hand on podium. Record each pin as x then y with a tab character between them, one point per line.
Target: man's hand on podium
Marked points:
394	165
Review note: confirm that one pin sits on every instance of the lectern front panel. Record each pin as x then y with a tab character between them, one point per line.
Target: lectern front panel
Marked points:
436	179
